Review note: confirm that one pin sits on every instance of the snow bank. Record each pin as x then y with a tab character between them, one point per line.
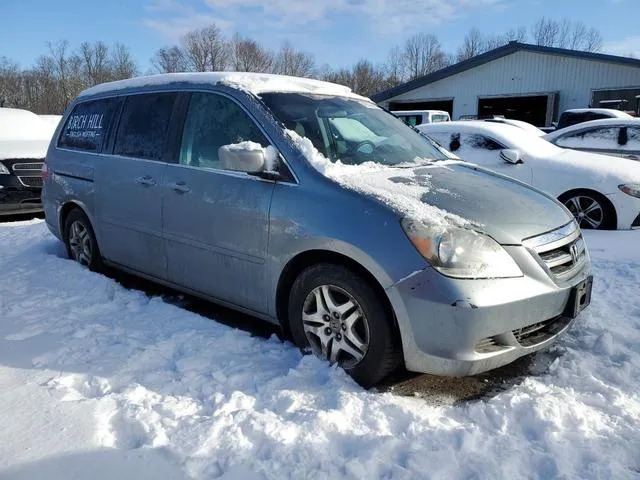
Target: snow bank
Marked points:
255	83
408	197
97	381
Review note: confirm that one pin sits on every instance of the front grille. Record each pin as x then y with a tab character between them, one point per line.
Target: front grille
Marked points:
562	251
17	167
35	182
539	332
488	345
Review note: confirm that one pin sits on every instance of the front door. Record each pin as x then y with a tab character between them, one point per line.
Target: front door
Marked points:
129	186
216	221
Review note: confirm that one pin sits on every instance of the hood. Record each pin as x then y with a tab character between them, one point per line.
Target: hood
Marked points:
10	149
602	167
505	209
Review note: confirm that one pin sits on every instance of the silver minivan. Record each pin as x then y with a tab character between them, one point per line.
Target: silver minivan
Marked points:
308	206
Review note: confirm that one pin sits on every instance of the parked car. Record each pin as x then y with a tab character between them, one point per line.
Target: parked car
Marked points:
518	123
52	121
580	115
616	136
418	117
228	186
24	139
602	192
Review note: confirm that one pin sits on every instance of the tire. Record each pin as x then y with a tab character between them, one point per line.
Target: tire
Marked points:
591	210
347	332
81	242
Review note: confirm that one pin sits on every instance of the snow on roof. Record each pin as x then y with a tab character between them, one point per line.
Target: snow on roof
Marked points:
417	112
508	135
612	112
255	83
605	122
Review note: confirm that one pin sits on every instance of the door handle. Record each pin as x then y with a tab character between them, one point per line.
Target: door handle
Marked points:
180	187
146	181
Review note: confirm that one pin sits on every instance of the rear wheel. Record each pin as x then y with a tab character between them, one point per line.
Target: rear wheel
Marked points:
81	241
590	210
336	314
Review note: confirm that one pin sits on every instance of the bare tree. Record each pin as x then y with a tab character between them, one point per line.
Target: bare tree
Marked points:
395	67
95	62
205	49
9	83
122	63
248	56
566	34
473	44
170	60
423	55
290	61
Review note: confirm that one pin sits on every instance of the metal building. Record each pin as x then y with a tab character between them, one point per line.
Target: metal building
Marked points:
524	82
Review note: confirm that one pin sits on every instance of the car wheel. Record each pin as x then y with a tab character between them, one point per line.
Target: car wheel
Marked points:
336	314
590	211
81	241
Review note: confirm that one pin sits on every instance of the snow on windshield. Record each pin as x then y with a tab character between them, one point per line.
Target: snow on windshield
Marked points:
525	141
377	180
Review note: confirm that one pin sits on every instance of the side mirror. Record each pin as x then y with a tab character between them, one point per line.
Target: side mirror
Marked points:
246	157
511	156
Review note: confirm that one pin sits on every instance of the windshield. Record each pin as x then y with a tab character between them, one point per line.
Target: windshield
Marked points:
351	130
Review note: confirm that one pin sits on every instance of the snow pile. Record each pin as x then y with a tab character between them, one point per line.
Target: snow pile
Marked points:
101	382
255	83
406	190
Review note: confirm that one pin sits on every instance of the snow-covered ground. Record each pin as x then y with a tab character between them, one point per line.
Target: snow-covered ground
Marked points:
97	381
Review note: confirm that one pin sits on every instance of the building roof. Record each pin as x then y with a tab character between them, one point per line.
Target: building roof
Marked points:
491	55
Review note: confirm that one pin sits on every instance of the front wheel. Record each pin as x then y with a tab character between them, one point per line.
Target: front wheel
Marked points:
337	314
590	211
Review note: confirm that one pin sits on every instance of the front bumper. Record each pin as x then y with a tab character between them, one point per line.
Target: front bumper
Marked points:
464	327
16	198
627	210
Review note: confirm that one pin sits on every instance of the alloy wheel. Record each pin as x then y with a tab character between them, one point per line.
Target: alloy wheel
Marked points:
587	211
335	326
80	243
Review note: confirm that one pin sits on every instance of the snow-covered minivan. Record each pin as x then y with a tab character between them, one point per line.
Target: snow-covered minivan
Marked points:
308	206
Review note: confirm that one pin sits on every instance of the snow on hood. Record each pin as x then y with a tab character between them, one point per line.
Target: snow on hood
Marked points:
23	149
377	181
255	83
22	125
604	168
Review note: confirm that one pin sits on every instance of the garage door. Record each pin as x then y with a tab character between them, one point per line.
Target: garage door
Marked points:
538	109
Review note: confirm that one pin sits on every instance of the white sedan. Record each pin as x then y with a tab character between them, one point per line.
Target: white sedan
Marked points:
602	192
613	136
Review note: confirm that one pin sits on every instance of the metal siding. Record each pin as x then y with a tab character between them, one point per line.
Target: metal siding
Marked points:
525	73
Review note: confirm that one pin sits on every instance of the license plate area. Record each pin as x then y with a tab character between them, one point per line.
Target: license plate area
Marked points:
580	298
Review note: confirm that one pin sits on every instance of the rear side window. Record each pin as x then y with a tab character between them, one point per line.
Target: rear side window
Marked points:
597	138
144	126
88	125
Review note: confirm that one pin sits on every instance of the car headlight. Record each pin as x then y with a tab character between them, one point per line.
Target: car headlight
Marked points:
4	170
461	253
632	189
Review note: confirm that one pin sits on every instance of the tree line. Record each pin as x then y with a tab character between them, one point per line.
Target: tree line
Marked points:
63	72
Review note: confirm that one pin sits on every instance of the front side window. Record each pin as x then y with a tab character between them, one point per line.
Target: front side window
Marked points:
350	130
597	138
144	126
215	121
88	124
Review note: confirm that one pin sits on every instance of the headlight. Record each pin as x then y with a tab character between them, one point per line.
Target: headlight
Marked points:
632	189
461	253
4	170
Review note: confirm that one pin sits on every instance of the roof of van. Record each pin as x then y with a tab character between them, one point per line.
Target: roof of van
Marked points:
255	83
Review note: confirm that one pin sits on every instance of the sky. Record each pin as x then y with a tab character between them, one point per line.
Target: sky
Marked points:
337	32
